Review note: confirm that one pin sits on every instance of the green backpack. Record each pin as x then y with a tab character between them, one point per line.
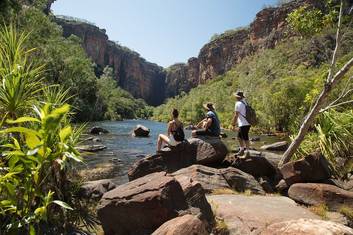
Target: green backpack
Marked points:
250	114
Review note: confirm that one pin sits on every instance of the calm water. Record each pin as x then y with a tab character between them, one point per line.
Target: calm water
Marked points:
123	149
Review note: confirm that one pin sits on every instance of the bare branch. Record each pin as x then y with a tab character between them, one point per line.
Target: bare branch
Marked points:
343	94
322	98
335	105
338	37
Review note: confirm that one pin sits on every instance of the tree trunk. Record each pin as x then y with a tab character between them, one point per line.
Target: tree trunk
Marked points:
321	101
308	121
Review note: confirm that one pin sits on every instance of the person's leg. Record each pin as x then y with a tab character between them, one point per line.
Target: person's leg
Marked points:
161	139
241	142
199	132
246	139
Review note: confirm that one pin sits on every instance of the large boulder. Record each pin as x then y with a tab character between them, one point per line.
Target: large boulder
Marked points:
317	194
195	197
312	168
184	225
205	151
209	150
344	184
307	227
278	146
255	165
169	160
96	130
227	178
141	206
96	189
245	215
141	131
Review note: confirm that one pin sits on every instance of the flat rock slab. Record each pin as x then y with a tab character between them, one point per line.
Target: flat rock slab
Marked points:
252	214
307	227
317	194
91	148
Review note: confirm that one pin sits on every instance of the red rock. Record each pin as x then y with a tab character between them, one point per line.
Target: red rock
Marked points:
141	206
317	194
184	225
142	79
245	215
195	197
206	151
228	178
307	227
312	168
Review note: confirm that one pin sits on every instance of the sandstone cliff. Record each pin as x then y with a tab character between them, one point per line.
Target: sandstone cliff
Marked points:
153	84
133	73
221	54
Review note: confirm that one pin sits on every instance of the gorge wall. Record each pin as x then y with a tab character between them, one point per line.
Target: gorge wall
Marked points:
154	84
228	49
133	73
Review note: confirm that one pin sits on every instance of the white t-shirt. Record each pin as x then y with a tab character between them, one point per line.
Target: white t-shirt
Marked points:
241	109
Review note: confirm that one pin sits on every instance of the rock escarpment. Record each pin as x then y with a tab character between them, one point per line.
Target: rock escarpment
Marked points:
133	73
228	49
154	84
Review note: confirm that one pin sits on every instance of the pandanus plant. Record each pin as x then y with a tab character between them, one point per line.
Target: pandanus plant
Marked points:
20	77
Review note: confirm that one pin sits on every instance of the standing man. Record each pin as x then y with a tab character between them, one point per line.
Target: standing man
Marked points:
210	126
239	119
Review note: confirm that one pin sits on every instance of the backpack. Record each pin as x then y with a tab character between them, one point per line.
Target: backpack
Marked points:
179	134
250	114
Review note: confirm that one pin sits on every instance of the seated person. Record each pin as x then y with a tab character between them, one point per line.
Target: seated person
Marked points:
210	126
175	134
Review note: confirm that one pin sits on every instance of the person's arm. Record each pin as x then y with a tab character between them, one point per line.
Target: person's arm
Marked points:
208	123
169	132
235	118
200	124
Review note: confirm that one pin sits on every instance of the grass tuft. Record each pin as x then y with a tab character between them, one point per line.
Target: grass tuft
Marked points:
321	210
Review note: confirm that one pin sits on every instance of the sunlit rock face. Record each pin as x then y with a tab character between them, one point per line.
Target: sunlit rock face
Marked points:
154	84
133	73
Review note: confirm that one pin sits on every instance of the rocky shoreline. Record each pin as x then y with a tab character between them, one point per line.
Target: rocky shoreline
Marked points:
198	187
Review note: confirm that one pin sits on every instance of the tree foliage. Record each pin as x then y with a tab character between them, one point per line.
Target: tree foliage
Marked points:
118	103
37	148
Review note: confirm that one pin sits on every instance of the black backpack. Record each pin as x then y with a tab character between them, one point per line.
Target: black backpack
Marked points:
250	114
179	134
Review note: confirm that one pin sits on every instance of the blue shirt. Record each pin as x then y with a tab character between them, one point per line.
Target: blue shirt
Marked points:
215	127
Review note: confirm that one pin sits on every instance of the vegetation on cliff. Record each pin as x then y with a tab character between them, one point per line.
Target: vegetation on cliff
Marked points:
280	83
67	64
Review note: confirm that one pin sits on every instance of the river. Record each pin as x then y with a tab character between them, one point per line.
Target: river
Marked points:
123	149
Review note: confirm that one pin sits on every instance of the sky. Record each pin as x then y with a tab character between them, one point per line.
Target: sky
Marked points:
163	31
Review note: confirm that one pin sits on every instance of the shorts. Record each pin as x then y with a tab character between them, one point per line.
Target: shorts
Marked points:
173	142
204	132
244	133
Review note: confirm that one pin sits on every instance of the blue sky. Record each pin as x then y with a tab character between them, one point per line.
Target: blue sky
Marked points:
163	31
